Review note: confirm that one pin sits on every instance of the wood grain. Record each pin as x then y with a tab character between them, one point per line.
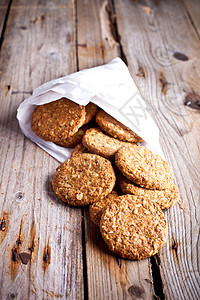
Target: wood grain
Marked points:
193	12
3	11
95	39
39	45
149	42
105	279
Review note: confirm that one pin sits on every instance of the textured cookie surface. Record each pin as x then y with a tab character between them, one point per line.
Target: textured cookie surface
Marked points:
98	142
133	228
164	198
84	179
115	128
144	168
96	208
91	110
57	120
75	139
79	149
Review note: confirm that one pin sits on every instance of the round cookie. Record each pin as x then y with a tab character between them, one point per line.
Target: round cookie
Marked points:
57	120
79	149
98	142
116	129
84	179
144	168
164	198
96	208
133	228
91	110
75	139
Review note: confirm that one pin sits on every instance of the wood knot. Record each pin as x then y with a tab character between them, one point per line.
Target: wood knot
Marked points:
136	291
163	83
102	50
12	296
175	247
192	100
42	17
46	257
19	196
23	27
7	88
15	256
25	257
162	55
180	56
141	73
3	225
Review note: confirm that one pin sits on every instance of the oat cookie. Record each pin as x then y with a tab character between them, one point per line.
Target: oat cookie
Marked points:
84	179
79	149
164	198
91	110
57	120
115	128
75	139
144	168
133	228
96	208
100	143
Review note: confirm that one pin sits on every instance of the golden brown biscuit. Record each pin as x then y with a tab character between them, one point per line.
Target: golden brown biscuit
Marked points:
57	120
102	144
96	208
79	149
75	139
144	168
84	179
91	110
133	228
164	198
115	128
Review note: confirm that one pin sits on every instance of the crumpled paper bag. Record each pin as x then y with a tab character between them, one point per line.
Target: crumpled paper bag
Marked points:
111	87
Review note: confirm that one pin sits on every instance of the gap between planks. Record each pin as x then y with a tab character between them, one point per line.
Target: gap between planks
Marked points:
5	23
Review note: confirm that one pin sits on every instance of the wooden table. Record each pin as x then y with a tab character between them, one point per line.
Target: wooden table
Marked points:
49	250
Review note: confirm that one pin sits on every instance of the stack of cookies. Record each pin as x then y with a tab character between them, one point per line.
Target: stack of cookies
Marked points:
125	185
63	121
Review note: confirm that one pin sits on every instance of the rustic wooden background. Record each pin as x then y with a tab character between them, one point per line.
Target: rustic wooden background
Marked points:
49	250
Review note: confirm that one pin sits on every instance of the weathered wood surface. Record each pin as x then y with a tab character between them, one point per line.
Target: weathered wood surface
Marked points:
151	42
48	39
39	45
3	10
192	9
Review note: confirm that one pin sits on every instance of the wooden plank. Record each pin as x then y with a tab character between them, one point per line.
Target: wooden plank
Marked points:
3	11
39	45
95	41
193	12
98	44
163	55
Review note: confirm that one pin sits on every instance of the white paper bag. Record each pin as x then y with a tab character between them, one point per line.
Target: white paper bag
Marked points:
111	87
